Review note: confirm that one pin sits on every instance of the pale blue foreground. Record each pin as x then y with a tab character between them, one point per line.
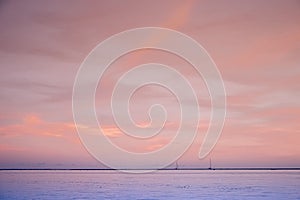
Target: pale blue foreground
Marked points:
173	184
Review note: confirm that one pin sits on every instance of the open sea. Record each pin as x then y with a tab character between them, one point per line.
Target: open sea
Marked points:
165	184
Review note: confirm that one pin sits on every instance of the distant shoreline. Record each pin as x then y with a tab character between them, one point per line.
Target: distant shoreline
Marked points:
183	169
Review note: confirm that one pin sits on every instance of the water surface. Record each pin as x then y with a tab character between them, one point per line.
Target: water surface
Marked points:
166	184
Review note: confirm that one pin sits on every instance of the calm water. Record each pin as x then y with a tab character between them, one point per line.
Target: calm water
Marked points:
178	184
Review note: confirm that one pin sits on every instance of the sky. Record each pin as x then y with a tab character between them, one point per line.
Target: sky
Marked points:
255	44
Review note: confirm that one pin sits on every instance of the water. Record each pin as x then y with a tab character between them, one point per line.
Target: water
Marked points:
176	184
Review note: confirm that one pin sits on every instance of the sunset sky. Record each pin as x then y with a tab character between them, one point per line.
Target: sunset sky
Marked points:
255	44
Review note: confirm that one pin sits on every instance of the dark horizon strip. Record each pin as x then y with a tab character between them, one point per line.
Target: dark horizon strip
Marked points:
101	169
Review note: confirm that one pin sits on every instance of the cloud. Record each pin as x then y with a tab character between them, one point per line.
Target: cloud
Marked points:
255	46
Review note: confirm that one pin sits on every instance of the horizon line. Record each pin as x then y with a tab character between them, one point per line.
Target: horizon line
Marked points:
170	169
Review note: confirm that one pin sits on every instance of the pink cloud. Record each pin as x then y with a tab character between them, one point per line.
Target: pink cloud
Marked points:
255	45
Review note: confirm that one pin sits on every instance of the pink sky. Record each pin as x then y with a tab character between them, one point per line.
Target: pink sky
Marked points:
255	44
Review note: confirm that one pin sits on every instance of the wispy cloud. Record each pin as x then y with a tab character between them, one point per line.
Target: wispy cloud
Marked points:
255	45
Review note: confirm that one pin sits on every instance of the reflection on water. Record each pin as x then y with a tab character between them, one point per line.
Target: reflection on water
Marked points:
86	184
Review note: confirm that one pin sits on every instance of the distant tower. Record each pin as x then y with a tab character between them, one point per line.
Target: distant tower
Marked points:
210	168
176	165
